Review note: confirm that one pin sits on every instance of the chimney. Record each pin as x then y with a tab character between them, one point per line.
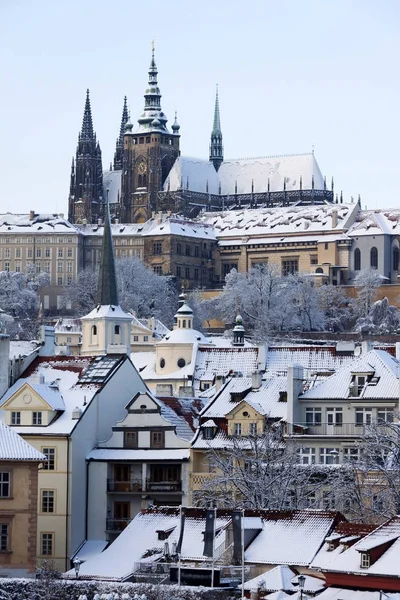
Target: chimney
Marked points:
219	382
295	377
366	346
398	350
159	217
31	215
41	378
48	339
334	218
256	380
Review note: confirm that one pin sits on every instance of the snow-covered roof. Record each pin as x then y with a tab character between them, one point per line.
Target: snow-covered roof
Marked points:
265	399
380	364
311	358
108	310
66	373
376	222
184	336
39	224
106	454
280	221
351	594
49	391
348	560
197	174
13	447
22	348
292	538
65	325
224	360
281	578
89	549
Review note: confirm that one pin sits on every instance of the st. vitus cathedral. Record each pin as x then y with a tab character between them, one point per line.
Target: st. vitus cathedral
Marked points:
149	174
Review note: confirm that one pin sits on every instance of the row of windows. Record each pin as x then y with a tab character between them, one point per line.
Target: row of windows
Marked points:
38	240
136	338
39	253
251	429
334	416
157	439
187	272
149	139
37	418
327	456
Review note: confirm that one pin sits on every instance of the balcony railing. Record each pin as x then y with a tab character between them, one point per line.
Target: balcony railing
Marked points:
130	487
199	479
326	429
117	525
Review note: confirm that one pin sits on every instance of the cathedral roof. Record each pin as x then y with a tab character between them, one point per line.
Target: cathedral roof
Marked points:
197	174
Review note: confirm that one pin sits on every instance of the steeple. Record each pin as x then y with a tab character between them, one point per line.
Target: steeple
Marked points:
87	122
216	148
107	292
119	148
86	183
153	119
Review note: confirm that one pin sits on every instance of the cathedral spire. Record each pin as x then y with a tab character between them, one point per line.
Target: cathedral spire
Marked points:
216	148
107	293
153	119
119	149
87	123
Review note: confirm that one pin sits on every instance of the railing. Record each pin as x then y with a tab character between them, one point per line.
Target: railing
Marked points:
124	486
326	429
136	485
117	525
199	479
163	486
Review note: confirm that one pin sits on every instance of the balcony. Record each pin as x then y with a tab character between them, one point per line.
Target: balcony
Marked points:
199	479
117	525
329	429
163	486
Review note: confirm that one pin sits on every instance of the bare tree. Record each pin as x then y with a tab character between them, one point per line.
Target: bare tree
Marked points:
367	283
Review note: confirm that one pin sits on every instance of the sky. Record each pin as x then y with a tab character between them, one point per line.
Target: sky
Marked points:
293	75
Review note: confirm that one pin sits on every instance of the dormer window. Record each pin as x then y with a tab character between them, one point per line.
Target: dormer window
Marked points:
357	385
36	418
365	560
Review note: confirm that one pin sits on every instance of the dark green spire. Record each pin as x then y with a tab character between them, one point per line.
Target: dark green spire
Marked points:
107	292
216	147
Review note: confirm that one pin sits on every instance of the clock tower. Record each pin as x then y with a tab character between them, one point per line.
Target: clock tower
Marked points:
149	153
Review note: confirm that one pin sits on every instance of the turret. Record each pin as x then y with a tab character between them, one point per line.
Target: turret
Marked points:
216	147
238	332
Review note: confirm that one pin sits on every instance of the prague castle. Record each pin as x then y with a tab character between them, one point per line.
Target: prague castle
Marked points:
149	174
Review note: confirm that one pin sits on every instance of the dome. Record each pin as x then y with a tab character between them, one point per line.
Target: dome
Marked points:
184	310
184	336
128	126
155	122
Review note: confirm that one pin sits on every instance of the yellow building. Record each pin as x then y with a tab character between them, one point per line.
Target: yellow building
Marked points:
19	463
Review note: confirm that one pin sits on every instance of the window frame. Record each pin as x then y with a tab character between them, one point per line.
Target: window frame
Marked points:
47	501
153	442
5	484
134	439
50	463
49	541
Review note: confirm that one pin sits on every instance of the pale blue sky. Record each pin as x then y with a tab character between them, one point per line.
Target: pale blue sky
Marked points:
291	74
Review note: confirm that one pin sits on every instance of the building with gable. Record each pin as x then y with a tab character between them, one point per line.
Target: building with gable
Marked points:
327	415
64	406
19	464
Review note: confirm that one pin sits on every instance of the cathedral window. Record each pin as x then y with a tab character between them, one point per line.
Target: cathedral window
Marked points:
357	259
374	258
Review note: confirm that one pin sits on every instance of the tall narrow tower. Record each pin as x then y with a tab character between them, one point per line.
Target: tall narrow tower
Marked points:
216	147
106	329
149	153
119	148
85	203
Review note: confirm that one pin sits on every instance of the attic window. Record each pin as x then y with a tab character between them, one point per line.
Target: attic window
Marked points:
365	560
163	534
282	396
357	386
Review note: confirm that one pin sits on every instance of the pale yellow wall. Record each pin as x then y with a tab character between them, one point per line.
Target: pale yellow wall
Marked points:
172	353
236	416
26	401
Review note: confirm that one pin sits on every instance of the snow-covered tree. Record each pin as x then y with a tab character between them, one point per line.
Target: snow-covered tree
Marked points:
140	290
303	296
336	306
366	283
382	318
19	299
263	471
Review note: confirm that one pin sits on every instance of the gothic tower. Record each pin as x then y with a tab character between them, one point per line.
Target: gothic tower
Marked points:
216	148
106	329
149	153
85	203
119	148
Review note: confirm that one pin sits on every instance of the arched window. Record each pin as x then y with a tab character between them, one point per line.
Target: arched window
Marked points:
374	258
140	181
184	323
395	259
94	330
319	270
357	259
116	329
